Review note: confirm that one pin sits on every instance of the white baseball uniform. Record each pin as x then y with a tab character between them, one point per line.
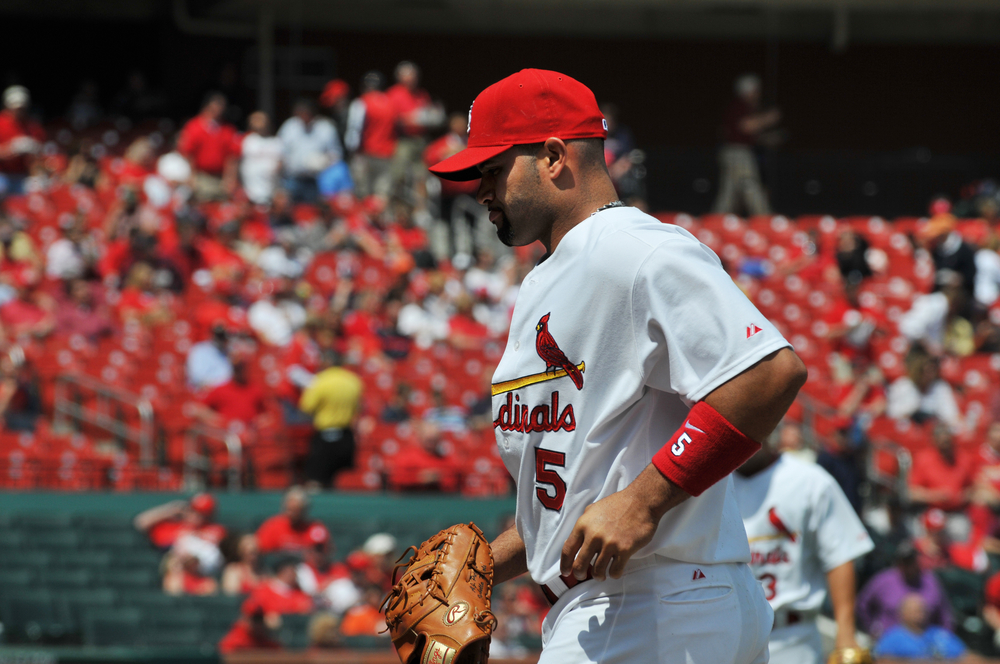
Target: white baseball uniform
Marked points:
652	324
800	526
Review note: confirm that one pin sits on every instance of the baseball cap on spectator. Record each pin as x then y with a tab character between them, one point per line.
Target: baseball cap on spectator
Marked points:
16	96
334	92
318	534
358	561
379	544
933	520
940	205
527	107
204	504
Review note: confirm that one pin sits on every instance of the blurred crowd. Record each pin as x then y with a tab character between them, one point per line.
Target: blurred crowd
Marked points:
308	273
286	568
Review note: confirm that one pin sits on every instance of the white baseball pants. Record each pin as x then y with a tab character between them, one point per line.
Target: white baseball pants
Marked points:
670	613
797	644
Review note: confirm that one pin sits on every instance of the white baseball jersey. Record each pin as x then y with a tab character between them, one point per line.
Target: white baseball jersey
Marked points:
613	338
800	526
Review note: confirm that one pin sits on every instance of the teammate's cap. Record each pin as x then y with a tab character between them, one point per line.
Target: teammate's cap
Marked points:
203	503
527	107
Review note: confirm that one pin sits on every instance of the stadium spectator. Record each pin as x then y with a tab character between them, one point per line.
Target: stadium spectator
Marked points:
365	618
446	417
988	475
987	286
189	566
949	250
208	363
839	457
335	100
213	147
32	313
238	400
913	638
458	207
249	632
423	465
21	140
317	571
942	475
324	632
139	300
624	160
880	599
17	248
937	319
280	594
332	398
311	151
371	136
464	331
922	394
81	312
416	115
791	441
260	160
743	124
75	254
933	545
242	575
165	524
289	531
991	606
852	248
85	107
20	397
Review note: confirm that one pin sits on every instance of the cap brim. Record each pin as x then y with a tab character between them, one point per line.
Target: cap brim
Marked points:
461	167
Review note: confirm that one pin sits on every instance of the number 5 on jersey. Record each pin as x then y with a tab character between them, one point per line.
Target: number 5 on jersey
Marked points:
545	476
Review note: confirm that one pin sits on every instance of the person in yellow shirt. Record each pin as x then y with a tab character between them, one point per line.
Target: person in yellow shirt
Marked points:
332	400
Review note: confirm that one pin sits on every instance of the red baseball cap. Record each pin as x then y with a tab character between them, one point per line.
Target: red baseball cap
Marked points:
203	503
527	107
334	91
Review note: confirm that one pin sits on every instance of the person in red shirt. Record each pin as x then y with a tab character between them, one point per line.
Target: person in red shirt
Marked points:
281	594
165	524
459	208
184	576
371	136
292	530
317	571
422	466
21	140
242	575
742	127
942	476
237	400
213	148
249	632
33	312
416	114
988	479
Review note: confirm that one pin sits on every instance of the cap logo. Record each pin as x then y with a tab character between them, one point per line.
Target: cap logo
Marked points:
604	123
468	129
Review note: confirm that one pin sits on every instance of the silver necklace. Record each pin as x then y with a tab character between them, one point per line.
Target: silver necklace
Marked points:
612	204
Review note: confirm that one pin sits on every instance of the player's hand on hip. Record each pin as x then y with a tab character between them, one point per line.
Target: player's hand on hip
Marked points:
612	529
615	527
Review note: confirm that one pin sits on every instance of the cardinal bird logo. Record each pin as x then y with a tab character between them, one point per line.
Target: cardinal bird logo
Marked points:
776	521
549	351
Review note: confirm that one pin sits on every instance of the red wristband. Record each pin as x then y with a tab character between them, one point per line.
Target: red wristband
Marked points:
704	450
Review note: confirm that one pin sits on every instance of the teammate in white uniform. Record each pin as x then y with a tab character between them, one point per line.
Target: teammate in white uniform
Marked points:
804	536
636	375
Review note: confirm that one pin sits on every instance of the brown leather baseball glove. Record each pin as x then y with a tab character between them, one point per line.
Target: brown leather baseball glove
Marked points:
850	656
439	610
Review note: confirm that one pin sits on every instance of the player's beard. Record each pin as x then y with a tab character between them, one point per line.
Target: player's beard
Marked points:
505	232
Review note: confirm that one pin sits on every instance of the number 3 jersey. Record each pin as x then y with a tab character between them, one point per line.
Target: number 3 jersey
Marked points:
613	338
800	526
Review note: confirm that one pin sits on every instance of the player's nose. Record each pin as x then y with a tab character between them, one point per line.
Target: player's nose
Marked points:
484	195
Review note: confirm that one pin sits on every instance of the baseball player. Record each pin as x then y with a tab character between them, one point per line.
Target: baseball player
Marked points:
804	537
635	379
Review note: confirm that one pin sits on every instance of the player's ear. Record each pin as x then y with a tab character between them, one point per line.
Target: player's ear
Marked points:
554	152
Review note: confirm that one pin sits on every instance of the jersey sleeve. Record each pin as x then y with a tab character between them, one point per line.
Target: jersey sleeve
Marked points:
694	329
840	535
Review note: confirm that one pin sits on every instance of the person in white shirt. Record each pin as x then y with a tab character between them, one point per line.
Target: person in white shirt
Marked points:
922	394
988	274
310	145
261	159
804	538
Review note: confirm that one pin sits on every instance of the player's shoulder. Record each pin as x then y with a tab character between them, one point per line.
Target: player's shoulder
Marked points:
627	236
